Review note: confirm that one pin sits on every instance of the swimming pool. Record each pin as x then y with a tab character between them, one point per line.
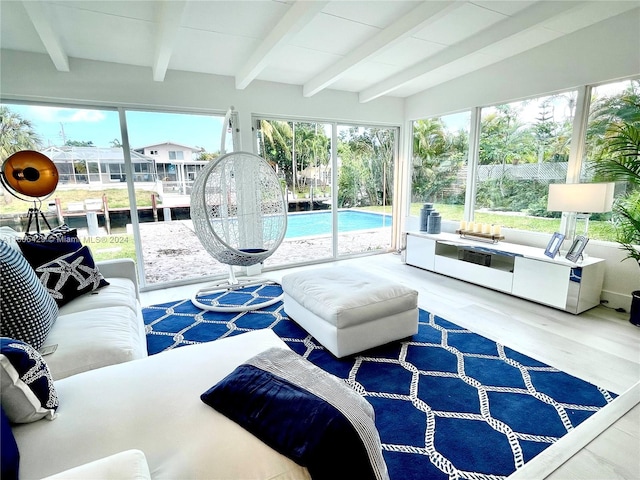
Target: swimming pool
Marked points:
319	223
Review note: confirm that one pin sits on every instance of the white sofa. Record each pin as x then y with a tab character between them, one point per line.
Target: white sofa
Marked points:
100	328
153	405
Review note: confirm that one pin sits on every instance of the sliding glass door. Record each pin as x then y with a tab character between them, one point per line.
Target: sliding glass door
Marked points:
180	146
338	180
300	153
366	161
167	151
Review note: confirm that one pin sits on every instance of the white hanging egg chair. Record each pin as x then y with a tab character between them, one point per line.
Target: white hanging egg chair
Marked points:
239	214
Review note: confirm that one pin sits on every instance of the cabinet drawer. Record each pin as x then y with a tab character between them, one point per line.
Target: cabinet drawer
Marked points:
420	252
469	272
543	282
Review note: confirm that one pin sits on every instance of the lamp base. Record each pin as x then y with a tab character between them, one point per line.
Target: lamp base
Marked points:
35	214
569	223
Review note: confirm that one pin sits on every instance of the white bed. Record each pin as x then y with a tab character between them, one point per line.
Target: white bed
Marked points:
153	405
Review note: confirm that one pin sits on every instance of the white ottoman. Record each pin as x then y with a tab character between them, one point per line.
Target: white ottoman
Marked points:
350	310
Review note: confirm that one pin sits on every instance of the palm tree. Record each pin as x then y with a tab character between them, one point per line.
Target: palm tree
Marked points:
276	145
436	159
619	160
16	134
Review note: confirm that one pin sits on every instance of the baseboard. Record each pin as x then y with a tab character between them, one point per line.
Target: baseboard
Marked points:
616	300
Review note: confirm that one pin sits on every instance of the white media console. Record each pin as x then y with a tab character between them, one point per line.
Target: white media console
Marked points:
518	270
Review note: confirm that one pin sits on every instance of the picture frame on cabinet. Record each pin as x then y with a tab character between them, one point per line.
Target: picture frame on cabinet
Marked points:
553	247
575	252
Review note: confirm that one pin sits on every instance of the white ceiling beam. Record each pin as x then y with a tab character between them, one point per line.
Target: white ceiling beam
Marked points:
41	20
298	15
521	21
416	19
169	21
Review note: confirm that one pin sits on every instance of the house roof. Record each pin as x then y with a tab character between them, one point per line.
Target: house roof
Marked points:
169	143
97	154
371	47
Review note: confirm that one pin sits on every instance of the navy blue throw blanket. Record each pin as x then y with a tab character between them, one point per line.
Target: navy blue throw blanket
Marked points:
304	413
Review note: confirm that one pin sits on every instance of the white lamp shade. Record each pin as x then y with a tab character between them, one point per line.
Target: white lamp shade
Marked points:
580	197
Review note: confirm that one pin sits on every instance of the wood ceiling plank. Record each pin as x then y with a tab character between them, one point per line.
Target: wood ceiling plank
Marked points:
521	21
400	29
298	15
41	19
170	15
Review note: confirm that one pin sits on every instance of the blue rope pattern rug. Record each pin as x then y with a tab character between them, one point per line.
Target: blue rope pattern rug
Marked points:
449	404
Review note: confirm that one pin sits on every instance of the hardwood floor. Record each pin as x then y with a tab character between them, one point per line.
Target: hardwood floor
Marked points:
599	346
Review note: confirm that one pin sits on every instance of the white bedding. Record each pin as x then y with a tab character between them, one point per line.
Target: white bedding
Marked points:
153	404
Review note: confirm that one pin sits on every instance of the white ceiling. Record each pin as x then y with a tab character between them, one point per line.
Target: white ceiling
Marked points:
374	47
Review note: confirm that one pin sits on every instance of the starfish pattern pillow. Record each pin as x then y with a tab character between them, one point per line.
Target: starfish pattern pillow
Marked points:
27	390
71	275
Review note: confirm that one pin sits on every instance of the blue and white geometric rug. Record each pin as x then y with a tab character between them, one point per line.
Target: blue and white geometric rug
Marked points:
449	404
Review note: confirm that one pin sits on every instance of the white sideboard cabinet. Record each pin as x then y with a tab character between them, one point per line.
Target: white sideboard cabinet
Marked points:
518	270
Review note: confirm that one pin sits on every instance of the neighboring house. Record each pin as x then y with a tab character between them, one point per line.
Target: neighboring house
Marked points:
177	164
98	165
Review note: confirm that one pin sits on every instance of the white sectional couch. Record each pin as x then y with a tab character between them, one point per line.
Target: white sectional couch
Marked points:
120	413
100	328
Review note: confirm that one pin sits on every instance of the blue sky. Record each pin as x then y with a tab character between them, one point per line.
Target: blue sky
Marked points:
102	127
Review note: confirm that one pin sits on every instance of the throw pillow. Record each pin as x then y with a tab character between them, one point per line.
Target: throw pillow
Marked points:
54	234
27	310
71	275
39	249
304	413
9	457
11	237
27	389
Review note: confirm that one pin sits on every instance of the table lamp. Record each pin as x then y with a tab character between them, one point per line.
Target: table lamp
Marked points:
579	200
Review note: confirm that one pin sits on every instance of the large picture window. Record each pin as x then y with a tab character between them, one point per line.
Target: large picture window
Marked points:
523	147
86	147
339	202
612	134
439	164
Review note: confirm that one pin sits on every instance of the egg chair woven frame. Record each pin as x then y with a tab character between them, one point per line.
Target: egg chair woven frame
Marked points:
239	214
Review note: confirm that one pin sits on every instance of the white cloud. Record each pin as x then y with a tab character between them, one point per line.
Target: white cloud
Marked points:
65	115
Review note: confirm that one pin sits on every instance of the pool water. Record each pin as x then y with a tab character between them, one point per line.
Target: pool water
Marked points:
319	223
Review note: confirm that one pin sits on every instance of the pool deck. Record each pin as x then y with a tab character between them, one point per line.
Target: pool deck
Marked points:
172	251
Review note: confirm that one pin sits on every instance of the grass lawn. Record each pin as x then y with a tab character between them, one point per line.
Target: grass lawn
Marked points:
116	198
598	230
110	247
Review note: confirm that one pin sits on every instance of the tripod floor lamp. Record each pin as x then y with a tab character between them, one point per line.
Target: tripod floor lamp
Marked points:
30	176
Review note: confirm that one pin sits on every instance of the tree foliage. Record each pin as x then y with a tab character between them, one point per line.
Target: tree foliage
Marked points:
438	156
16	134
301	153
615	147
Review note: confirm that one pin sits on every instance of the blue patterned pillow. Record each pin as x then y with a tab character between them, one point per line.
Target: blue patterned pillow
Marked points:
28	311
26	385
71	275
